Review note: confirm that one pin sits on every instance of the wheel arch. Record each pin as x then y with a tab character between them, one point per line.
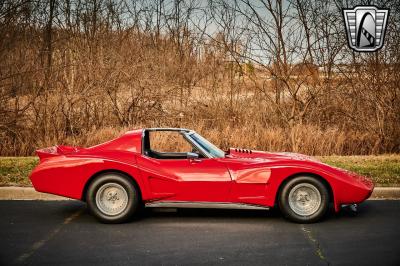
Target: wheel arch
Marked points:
318	177
99	173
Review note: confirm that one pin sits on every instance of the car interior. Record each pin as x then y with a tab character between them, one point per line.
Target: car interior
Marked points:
149	151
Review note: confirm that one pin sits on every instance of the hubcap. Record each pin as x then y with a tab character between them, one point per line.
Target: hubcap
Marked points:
111	199
304	199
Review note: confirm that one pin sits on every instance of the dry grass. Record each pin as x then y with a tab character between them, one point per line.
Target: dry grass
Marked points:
305	139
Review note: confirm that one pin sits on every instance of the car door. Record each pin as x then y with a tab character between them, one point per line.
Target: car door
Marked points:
172	176
202	179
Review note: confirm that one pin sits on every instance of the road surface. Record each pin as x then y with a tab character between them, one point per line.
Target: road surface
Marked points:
64	233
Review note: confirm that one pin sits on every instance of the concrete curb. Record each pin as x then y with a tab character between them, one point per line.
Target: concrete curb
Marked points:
29	193
26	193
386	193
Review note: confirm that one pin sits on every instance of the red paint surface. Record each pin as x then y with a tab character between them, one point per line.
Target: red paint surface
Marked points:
244	176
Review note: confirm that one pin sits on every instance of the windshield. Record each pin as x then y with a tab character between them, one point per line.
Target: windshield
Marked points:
207	146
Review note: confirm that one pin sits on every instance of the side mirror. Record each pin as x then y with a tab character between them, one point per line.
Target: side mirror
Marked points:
192	155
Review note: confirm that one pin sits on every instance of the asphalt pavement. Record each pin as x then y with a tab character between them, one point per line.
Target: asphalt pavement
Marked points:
64	233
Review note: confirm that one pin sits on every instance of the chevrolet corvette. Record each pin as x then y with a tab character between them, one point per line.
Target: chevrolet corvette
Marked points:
119	177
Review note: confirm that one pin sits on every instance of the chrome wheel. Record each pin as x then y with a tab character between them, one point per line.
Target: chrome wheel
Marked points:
304	199
112	199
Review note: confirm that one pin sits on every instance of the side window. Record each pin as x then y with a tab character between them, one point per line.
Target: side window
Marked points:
169	141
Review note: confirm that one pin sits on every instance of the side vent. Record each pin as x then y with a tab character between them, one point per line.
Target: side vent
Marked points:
243	150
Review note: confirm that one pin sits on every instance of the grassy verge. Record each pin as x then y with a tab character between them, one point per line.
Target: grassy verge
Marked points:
383	169
14	171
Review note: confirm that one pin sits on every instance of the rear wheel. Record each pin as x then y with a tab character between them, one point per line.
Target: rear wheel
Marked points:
112	198
304	199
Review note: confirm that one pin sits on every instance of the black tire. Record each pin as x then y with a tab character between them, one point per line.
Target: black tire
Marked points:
308	184
120	190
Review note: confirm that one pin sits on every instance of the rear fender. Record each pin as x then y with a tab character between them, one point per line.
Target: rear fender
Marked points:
67	175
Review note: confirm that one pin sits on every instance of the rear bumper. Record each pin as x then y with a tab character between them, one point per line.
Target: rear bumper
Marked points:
52	181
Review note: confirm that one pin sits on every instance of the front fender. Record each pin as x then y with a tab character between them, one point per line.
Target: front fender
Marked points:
345	189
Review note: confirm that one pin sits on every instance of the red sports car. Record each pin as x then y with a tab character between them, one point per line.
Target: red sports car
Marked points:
120	176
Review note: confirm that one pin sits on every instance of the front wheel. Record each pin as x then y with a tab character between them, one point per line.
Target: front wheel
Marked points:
304	199
112	198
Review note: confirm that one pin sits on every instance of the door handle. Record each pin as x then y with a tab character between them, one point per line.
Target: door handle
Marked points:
195	160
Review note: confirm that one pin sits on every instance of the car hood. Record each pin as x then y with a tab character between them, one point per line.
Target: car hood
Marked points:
248	159
268	156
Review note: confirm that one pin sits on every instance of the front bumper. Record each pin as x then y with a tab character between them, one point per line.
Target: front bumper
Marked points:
354	189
